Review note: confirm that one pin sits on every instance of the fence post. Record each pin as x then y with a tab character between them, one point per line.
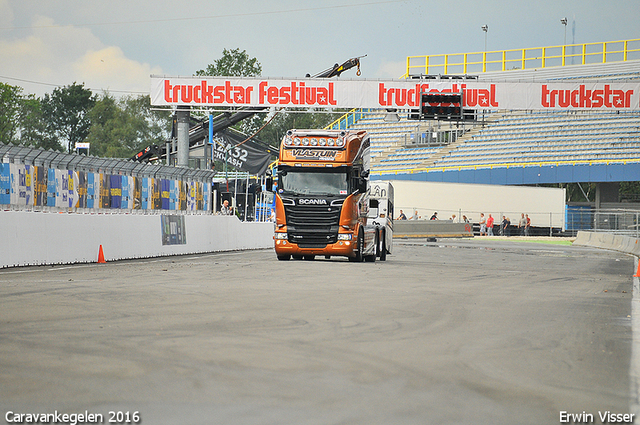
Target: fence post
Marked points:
550	224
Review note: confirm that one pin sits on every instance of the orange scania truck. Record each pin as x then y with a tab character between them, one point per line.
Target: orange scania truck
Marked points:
322	196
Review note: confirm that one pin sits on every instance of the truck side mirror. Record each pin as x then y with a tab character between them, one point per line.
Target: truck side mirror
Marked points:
362	185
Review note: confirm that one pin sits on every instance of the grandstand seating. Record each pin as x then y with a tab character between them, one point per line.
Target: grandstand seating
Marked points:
514	137
550	137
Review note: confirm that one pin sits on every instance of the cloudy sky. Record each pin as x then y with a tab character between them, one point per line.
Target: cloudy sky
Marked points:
115	45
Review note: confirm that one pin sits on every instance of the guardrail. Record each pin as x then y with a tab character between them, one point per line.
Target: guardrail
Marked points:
504	165
536	57
348	119
38	180
616	221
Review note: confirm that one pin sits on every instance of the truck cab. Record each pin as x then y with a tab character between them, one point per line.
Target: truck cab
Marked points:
322	199
381	216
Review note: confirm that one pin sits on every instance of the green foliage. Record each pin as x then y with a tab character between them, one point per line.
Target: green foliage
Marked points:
65	113
122	127
233	63
10	104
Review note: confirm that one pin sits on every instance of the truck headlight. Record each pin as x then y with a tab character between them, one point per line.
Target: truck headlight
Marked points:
344	236
281	235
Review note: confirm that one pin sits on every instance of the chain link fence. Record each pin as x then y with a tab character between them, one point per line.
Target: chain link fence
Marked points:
40	180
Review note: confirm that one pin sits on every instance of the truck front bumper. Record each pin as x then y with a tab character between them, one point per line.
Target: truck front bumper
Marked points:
340	248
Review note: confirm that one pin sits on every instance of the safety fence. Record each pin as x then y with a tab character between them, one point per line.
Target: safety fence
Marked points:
618	221
536	57
39	180
505	223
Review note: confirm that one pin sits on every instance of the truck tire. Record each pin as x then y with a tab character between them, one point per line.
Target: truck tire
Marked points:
372	258
383	247
359	257
284	257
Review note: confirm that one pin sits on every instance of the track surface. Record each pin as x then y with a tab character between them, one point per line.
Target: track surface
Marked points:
460	331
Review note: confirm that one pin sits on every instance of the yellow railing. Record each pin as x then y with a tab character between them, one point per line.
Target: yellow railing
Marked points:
505	165
537	57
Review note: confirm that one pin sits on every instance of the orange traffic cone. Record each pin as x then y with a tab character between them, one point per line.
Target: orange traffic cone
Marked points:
101	256
637	271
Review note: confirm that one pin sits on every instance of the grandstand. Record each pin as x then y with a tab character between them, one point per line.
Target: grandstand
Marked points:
547	146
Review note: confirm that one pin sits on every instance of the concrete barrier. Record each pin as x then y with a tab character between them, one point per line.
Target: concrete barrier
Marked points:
610	241
431	229
38	238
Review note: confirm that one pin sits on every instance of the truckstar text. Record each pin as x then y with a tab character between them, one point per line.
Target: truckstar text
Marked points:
583	98
296	93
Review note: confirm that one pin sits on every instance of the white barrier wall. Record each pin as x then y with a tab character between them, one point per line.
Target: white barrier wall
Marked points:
35	238
545	205
626	244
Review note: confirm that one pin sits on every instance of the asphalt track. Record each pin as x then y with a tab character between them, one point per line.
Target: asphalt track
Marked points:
453	332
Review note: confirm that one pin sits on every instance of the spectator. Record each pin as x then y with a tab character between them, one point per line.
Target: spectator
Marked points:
505	226
483	225
415	215
434	216
527	227
490	226
226	209
465	219
402	216
453	218
521	225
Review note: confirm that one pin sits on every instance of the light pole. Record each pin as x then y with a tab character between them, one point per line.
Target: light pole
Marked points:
563	21
485	28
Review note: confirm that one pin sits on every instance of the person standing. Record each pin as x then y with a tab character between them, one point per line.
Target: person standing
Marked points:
490	226
527	227
483	225
402	216
226	209
522	224
504	226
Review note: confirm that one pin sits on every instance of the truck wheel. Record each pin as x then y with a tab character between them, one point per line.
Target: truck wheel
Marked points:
358	258
297	257
372	258
309	257
383	247
284	257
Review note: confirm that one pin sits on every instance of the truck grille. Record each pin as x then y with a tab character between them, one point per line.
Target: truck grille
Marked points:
312	226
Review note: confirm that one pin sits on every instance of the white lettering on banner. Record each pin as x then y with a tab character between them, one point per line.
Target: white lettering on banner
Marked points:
401	94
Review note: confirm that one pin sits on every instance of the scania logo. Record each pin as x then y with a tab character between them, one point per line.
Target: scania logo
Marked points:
312	201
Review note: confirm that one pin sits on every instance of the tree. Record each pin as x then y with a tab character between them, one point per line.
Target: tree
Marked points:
65	112
33	126
233	63
121	127
10	104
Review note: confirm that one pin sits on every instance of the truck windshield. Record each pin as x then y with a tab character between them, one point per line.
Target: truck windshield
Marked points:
314	183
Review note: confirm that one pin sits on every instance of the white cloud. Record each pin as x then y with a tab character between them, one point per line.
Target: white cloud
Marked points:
391	70
61	55
109	69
